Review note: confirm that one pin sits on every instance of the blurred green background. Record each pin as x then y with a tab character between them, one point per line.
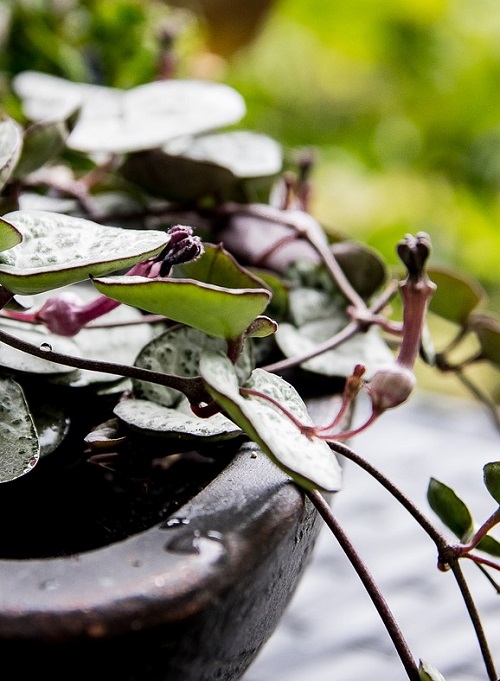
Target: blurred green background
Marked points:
400	99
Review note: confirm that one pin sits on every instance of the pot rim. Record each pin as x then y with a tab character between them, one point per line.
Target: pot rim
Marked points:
162	574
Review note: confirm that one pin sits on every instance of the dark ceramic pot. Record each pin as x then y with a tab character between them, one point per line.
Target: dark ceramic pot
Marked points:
192	598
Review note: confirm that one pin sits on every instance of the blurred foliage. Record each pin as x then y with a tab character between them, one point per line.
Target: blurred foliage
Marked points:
400	100
116	43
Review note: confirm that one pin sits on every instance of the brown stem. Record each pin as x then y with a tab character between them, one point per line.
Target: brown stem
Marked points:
336	271
489	524
440	540
475	619
451	552
193	388
479	560
370	585
350	330
481	396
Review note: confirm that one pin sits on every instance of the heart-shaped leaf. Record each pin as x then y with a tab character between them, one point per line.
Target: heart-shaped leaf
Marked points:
47	97
122	121
245	154
309	461
179	179
19	448
11	140
217	266
189	168
119	342
58	250
490	545
216	311
180	423
363	267
16	360
491	476
52	425
368	349
486	326
456	295
261	327
310	305
42	142
9	236
177	351
450	509
149	115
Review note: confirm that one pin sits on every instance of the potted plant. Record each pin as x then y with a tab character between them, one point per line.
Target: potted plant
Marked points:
181	347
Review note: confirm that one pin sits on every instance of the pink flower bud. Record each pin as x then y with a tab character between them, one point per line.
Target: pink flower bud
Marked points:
390	387
62	315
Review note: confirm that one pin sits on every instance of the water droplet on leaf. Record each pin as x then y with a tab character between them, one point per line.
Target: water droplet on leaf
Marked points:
174	522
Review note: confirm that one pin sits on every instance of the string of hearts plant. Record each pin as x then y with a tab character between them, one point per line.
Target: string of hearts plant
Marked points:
209	299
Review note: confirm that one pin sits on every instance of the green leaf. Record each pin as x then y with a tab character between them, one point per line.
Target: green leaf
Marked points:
122	121
11	141
450	509
312	305
9	236
189	168
42	142
245	154
486	326
261	327
217	266
427	672
19	448
215	309
52	425
362	266
490	545
456	295
309	461
279	302
179	179
491	476
58	250
180	423
178	351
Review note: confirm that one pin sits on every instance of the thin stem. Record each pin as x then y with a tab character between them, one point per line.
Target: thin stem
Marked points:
306	430
475	619
370	585
481	396
479	560
439	539
193	388
489	524
347	332
336	271
488	577
348	434
441	543
350	330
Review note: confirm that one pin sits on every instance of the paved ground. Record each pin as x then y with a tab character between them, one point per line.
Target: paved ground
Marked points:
331	631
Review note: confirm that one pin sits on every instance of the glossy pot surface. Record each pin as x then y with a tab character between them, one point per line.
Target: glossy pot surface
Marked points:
192	598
